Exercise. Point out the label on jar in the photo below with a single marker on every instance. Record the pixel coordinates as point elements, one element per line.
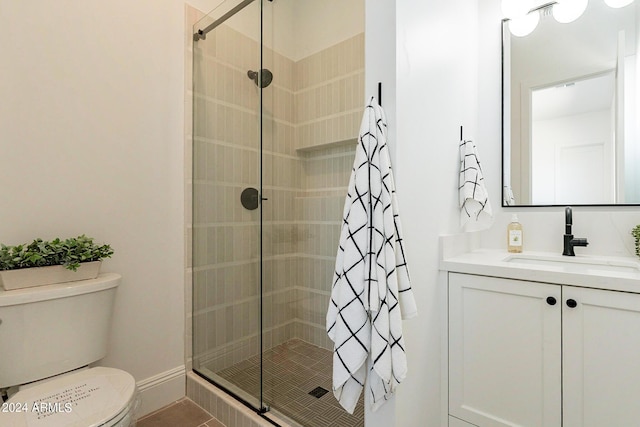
<point>515,237</point>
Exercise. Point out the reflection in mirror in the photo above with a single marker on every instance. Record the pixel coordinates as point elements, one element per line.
<point>571,133</point>
<point>572,152</point>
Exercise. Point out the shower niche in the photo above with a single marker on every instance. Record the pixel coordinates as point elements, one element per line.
<point>278,93</point>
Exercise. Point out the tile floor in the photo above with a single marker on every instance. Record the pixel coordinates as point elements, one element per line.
<point>183,413</point>
<point>291,371</point>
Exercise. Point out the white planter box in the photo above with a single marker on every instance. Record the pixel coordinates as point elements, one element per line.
<point>39,276</point>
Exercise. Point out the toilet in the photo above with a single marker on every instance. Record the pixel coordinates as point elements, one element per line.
<point>49,336</point>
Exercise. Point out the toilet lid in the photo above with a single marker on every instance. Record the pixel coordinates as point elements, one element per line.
<point>86,398</point>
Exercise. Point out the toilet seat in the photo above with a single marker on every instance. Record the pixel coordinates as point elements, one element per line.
<point>96,397</point>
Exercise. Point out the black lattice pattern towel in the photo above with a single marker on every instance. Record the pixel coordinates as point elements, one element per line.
<point>371,291</point>
<point>475,208</point>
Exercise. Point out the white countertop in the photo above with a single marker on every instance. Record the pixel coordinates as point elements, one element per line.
<point>588,271</point>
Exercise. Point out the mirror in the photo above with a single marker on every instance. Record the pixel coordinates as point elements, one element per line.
<point>570,122</point>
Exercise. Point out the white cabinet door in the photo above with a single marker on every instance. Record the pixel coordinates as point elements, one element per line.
<point>504,352</point>
<point>601,358</point>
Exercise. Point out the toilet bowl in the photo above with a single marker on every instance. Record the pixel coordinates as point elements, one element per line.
<point>100,396</point>
<point>49,335</point>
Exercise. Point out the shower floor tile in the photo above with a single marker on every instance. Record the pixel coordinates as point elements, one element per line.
<point>291,371</point>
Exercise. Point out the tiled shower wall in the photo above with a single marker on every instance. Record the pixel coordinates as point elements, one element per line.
<point>329,105</point>
<point>319,210</point>
<point>330,94</point>
<point>311,115</point>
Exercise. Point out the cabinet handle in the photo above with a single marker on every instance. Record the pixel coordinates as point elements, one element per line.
<point>551,301</point>
<point>571,303</point>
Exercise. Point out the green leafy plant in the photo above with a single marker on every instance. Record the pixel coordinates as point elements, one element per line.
<point>70,253</point>
<point>635,232</point>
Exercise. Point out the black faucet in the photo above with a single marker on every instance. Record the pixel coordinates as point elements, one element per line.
<point>569,240</point>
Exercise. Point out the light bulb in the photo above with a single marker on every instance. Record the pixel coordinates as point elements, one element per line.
<point>513,9</point>
<point>524,25</point>
<point>618,3</point>
<point>565,11</point>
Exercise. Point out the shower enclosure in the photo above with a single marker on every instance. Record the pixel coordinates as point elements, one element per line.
<point>277,102</point>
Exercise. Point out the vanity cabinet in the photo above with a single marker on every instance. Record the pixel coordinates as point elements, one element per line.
<point>537,354</point>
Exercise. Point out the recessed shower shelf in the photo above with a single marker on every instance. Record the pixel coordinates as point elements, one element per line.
<point>323,146</point>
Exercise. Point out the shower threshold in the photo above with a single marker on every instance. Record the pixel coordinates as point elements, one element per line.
<point>293,370</point>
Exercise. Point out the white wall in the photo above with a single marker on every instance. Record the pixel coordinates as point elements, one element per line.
<point>91,131</point>
<point>437,74</point>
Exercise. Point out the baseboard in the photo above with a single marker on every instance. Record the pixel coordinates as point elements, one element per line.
<point>160,390</point>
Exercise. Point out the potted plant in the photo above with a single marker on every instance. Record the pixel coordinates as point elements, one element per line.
<point>44,263</point>
<point>635,232</point>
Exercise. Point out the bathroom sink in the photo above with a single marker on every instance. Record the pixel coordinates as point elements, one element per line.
<point>587,264</point>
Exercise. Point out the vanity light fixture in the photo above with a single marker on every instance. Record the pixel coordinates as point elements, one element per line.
<point>523,19</point>
<point>524,25</point>
<point>565,11</point>
<point>524,16</point>
<point>616,4</point>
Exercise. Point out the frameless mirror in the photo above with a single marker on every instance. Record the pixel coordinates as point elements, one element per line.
<point>570,122</point>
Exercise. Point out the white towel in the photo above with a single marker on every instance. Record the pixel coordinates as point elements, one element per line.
<point>371,291</point>
<point>475,207</point>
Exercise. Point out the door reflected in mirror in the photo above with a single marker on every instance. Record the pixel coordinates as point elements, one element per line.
<point>570,121</point>
<point>572,150</point>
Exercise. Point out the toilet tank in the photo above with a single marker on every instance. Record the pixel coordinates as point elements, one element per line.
<point>47,330</point>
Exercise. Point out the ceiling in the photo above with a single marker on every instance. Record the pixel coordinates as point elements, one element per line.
<point>577,97</point>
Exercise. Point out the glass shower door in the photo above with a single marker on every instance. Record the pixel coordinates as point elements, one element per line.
<point>227,339</point>
<point>282,183</point>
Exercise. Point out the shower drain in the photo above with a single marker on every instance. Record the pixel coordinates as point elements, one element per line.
<point>318,392</point>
